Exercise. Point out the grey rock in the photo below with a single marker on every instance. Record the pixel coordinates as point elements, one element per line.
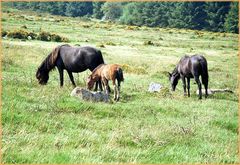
<point>87,95</point>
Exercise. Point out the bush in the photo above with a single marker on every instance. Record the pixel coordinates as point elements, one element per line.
<point>24,27</point>
<point>4,33</point>
<point>44,36</point>
<point>100,45</point>
<point>132,28</point>
<point>32,35</point>
<point>132,69</point>
<point>19,34</point>
<point>110,43</point>
<point>148,43</point>
<point>57,38</point>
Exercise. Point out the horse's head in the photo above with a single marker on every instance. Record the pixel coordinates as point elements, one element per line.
<point>173,78</point>
<point>42,76</point>
<point>90,82</point>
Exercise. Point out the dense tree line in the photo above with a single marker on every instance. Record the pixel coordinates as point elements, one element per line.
<point>212,16</point>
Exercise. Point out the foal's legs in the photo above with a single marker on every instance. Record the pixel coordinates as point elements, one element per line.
<point>98,83</point>
<point>188,86</point>
<point>199,86</point>
<point>61,76</point>
<point>118,91</point>
<point>71,78</point>
<point>115,88</point>
<point>109,89</point>
<point>184,85</point>
<point>105,84</point>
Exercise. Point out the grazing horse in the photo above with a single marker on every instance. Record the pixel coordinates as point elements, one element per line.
<point>72,59</point>
<point>106,72</point>
<point>191,67</point>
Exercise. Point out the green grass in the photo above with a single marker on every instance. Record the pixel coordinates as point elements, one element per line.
<point>44,124</point>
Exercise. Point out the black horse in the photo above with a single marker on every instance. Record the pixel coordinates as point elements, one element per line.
<point>190,67</point>
<point>72,59</point>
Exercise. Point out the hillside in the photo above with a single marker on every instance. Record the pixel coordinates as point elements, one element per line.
<point>44,124</point>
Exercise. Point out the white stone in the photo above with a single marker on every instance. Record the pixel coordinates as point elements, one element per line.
<point>29,38</point>
<point>154,87</point>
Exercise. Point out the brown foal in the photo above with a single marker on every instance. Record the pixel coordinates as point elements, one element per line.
<point>106,72</point>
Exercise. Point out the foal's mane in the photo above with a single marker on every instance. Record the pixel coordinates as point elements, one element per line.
<point>94,71</point>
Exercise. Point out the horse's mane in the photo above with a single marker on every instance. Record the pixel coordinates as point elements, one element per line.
<point>49,62</point>
<point>175,71</point>
<point>99,66</point>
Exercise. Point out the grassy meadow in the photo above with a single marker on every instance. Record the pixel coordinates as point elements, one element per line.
<point>44,124</point>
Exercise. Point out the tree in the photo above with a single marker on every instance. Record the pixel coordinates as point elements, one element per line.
<point>132,14</point>
<point>231,21</point>
<point>112,10</point>
<point>97,12</point>
<point>189,15</point>
<point>216,14</point>
<point>75,9</point>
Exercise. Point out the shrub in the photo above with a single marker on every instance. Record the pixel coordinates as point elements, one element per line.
<point>4,33</point>
<point>24,27</point>
<point>110,43</point>
<point>101,46</point>
<point>44,36</point>
<point>132,28</point>
<point>32,35</point>
<point>57,38</point>
<point>20,34</point>
<point>148,43</point>
<point>132,69</point>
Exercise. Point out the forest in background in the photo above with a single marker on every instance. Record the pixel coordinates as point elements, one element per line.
<point>211,16</point>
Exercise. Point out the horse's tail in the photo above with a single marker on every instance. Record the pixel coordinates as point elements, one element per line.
<point>101,61</point>
<point>204,66</point>
<point>119,75</point>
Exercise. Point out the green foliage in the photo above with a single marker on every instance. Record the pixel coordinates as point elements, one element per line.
<point>231,22</point>
<point>212,16</point>
<point>112,10</point>
<point>19,34</point>
<point>46,36</point>
<point>75,9</point>
<point>43,36</point>
<point>97,12</point>
<point>188,15</point>
<point>4,33</point>
<point>216,14</point>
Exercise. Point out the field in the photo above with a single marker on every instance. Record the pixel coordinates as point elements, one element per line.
<point>44,124</point>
